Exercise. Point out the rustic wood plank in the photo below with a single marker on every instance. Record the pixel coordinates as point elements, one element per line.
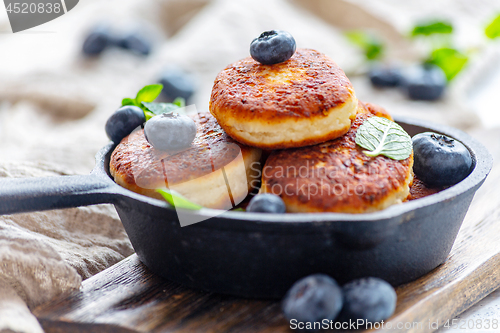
<point>128,298</point>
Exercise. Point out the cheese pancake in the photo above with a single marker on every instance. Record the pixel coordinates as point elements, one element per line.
<point>336,176</point>
<point>303,101</point>
<point>214,172</point>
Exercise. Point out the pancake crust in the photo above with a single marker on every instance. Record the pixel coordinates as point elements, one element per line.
<point>195,172</point>
<point>336,176</point>
<point>306,100</point>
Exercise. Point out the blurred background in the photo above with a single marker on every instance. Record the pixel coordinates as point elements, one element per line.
<point>55,99</point>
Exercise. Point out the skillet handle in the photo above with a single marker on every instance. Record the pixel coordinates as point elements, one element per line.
<point>20,195</point>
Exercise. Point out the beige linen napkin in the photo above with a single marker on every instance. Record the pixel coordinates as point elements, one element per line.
<point>46,254</point>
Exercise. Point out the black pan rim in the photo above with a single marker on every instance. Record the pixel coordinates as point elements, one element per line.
<point>482,165</point>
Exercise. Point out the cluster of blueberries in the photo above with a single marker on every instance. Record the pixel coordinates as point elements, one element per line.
<point>101,37</point>
<point>319,297</point>
<point>425,82</point>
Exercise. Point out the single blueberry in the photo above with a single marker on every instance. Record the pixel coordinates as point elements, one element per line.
<point>427,82</point>
<point>177,83</point>
<point>273,47</point>
<point>266,203</point>
<point>385,76</point>
<point>370,299</point>
<point>313,299</point>
<point>170,131</point>
<point>123,122</point>
<point>96,41</point>
<point>440,160</point>
<point>135,43</point>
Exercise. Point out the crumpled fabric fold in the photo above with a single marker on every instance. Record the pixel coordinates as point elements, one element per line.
<point>44,255</point>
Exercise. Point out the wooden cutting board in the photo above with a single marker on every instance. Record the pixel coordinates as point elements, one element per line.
<point>129,298</point>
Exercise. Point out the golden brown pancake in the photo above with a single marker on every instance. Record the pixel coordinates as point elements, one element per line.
<point>374,110</point>
<point>214,172</point>
<point>303,101</point>
<point>336,176</point>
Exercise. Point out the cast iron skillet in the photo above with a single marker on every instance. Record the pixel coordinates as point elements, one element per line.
<point>262,255</point>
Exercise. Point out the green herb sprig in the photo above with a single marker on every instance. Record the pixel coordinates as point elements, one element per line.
<point>177,200</point>
<point>438,34</point>
<point>373,47</point>
<point>380,136</point>
<point>144,100</point>
<point>431,28</point>
<point>450,60</point>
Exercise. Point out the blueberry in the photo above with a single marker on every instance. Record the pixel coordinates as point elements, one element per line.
<point>135,43</point>
<point>96,41</point>
<point>273,47</point>
<point>313,299</point>
<point>385,76</point>
<point>170,131</point>
<point>177,83</point>
<point>266,203</point>
<point>371,299</point>
<point>426,82</point>
<point>440,160</point>
<point>123,122</point>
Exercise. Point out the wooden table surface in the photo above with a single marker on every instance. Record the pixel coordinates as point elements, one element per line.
<point>129,298</point>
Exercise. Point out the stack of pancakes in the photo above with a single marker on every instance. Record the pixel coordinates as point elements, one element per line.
<point>305,114</point>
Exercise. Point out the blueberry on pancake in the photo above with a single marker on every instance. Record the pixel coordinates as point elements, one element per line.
<point>303,101</point>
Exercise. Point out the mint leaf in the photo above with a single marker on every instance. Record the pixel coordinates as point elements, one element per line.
<point>492,31</point>
<point>177,200</point>
<point>180,102</point>
<point>128,101</point>
<point>159,108</point>
<point>148,93</point>
<point>371,45</point>
<point>450,60</point>
<point>380,136</point>
<point>432,27</point>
